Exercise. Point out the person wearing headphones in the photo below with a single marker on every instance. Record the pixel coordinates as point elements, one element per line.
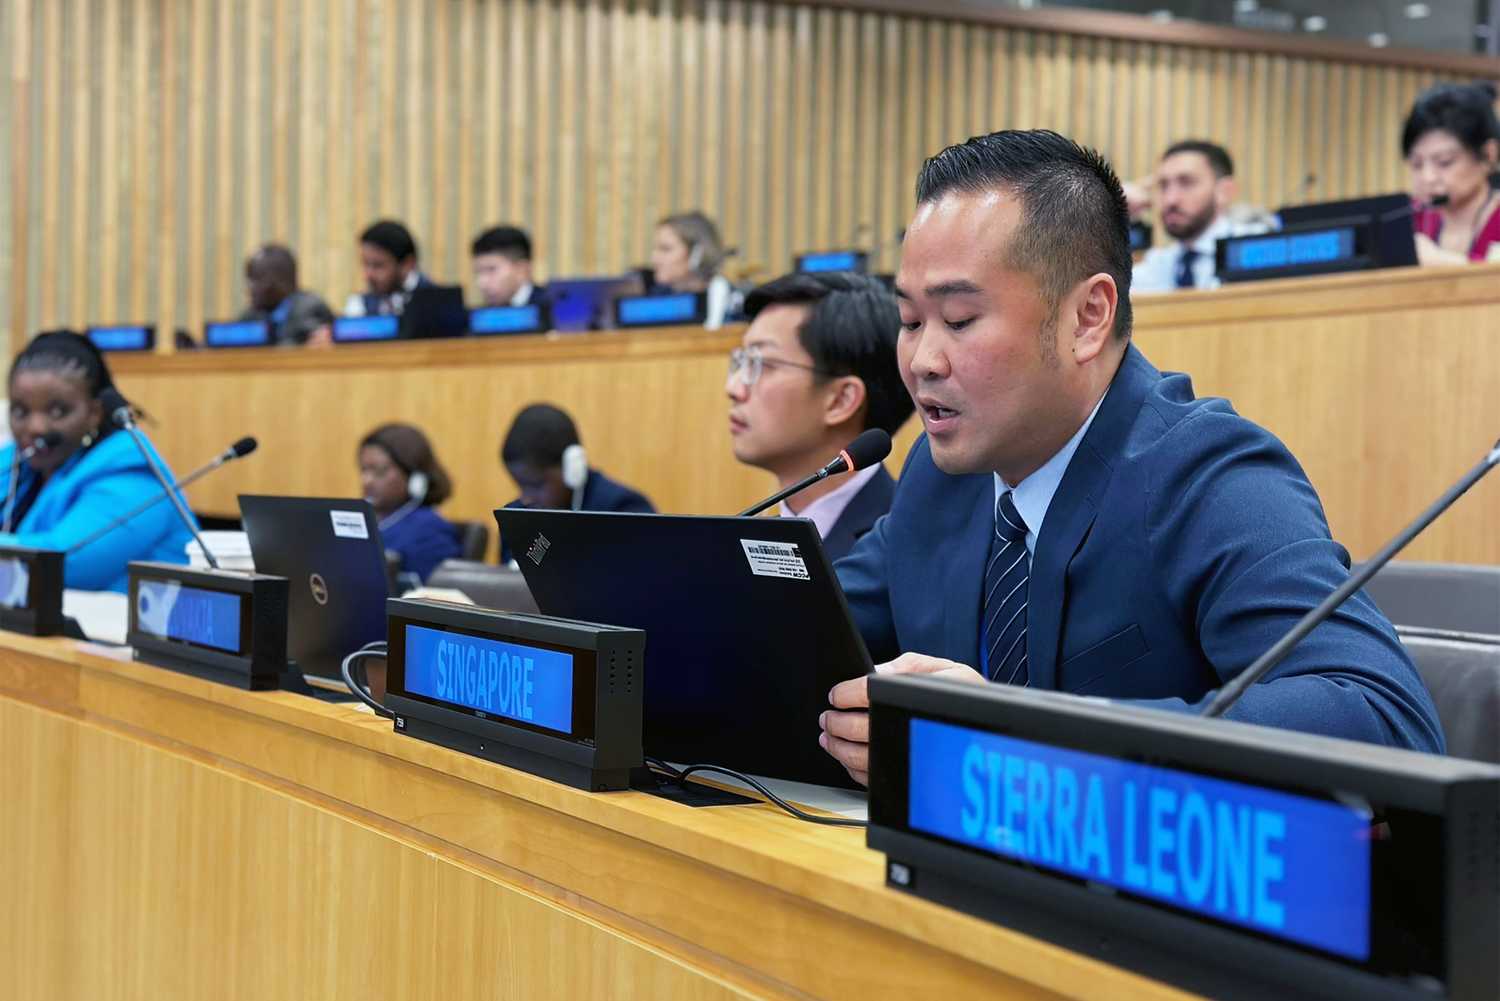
<point>60,494</point>
<point>1451,142</point>
<point>686,255</point>
<point>403,481</point>
<point>543,455</point>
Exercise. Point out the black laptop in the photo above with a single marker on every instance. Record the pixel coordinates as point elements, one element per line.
<point>435,311</point>
<point>330,551</point>
<point>746,627</point>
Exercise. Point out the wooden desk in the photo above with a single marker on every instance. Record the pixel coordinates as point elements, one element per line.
<point>1386,386</point>
<point>168,838</point>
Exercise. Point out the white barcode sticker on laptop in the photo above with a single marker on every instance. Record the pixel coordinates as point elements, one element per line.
<point>349,524</point>
<point>775,559</point>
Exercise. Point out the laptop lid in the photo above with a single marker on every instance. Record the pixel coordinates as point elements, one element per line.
<point>746,627</point>
<point>435,311</point>
<point>330,551</point>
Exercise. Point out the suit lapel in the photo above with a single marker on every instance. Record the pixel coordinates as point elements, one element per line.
<point>1072,513</point>
<point>963,570</point>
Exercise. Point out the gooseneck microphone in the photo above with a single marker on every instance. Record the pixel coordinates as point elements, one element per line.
<point>1230,693</point>
<point>869,448</point>
<point>122,417</point>
<point>238,450</point>
<point>45,443</point>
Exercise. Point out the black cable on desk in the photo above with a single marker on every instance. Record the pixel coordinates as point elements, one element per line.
<point>362,692</point>
<point>680,777</point>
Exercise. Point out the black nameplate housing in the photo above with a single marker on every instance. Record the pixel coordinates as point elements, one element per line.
<point>1423,842</point>
<point>227,626</point>
<point>554,697</point>
<point>31,589</point>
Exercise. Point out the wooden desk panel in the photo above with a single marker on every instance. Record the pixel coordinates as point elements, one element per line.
<point>1386,386</point>
<point>169,838</point>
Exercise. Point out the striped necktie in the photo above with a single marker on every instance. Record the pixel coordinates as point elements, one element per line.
<point>1005,580</point>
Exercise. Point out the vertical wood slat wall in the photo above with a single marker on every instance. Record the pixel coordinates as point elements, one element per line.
<point>152,143</point>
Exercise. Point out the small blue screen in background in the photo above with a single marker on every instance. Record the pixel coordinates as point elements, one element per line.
<point>120,338</point>
<point>237,334</point>
<point>842,260</point>
<point>530,684</point>
<point>15,583</point>
<point>1286,250</point>
<point>645,310</point>
<point>1288,866</point>
<point>167,609</point>
<point>506,320</point>
<point>366,328</point>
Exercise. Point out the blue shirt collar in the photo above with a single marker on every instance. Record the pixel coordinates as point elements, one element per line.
<point>1034,494</point>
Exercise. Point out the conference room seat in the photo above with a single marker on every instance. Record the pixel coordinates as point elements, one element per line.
<point>486,584</point>
<point>473,539</point>
<point>1462,671</point>
<point>1449,596</point>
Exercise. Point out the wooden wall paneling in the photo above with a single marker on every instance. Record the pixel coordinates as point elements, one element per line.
<point>852,183</point>
<point>168,218</point>
<point>889,140</point>
<point>49,39</point>
<point>800,169</point>
<point>597,150</point>
<point>736,140</point>
<point>106,307</point>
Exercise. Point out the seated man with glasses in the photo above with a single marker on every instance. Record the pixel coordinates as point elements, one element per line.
<point>817,367</point>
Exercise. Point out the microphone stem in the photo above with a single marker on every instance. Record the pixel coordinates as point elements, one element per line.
<point>782,495</point>
<point>10,491</point>
<point>1237,686</point>
<point>146,505</point>
<point>182,511</point>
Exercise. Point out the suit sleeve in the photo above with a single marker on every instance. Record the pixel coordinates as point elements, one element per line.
<point>1232,517</point>
<point>101,563</point>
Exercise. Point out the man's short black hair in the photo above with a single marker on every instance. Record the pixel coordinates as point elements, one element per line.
<point>538,437</point>
<point>276,260</point>
<point>391,237</point>
<point>851,329</point>
<point>1466,111</point>
<point>1074,221</point>
<point>509,241</point>
<point>1219,160</point>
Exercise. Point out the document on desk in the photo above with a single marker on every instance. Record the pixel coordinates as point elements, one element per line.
<point>104,616</point>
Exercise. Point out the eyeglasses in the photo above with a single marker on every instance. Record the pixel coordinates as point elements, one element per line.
<point>748,363</point>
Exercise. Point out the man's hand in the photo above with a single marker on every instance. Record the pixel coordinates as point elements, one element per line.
<point>846,728</point>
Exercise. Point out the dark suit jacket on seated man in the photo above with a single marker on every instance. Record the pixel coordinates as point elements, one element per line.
<point>1073,519</point>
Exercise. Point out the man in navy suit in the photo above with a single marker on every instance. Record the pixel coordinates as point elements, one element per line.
<point>1072,518</point>
<point>544,456</point>
<point>502,268</point>
<point>816,367</point>
<point>388,258</point>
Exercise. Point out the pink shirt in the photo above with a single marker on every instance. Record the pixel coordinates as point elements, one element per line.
<point>825,511</point>
<point>1429,222</point>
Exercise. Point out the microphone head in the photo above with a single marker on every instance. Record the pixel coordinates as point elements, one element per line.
<point>115,407</point>
<point>870,447</point>
<point>243,447</point>
<point>50,440</point>
<point>1438,201</point>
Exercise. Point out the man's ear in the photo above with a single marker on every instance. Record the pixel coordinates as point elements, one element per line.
<point>1093,306</point>
<point>846,396</point>
<point>1225,192</point>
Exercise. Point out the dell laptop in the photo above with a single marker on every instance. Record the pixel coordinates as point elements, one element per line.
<point>746,627</point>
<point>330,551</point>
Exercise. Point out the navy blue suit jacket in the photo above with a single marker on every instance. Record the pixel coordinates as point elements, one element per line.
<point>600,493</point>
<point>1182,542</point>
<point>860,515</point>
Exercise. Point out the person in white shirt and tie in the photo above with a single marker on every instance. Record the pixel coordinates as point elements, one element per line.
<point>1193,188</point>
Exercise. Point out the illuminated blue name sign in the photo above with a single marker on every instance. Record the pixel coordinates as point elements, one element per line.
<point>122,338</point>
<point>658,310</point>
<point>1288,250</point>
<point>15,583</point>
<point>833,260</point>
<point>506,320</point>
<point>1288,866</point>
<point>170,611</point>
<point>237,334</point>
<point>366,328</point>
<point>530,684</point>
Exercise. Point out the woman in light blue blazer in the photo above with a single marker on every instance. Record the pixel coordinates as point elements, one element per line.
<point>63,494</point>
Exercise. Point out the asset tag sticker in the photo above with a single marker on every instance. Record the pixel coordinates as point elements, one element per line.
<point>349,524</point>
<point>775,559</point>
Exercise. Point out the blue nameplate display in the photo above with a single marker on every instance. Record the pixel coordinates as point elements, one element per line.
<point>1286,250</point>
<point>661,310</point>
<point>1288,866</point>
<point>348,329</point>
<point>553,697</point>
<point>123,337</point>
<point>31,587</point>
<point>509,320</point>
<point>525,683</point>
<point>833,260</point>
<point>1234,861</point>
<point>227,626</point>
<point>237,334</point>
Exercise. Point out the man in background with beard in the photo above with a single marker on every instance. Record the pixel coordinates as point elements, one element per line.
<point>1193,189</point>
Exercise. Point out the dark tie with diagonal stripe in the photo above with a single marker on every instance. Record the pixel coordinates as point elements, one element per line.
<point>1005,579</point>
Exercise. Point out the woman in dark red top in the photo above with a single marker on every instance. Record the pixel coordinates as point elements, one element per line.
<point>1452,144</point>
